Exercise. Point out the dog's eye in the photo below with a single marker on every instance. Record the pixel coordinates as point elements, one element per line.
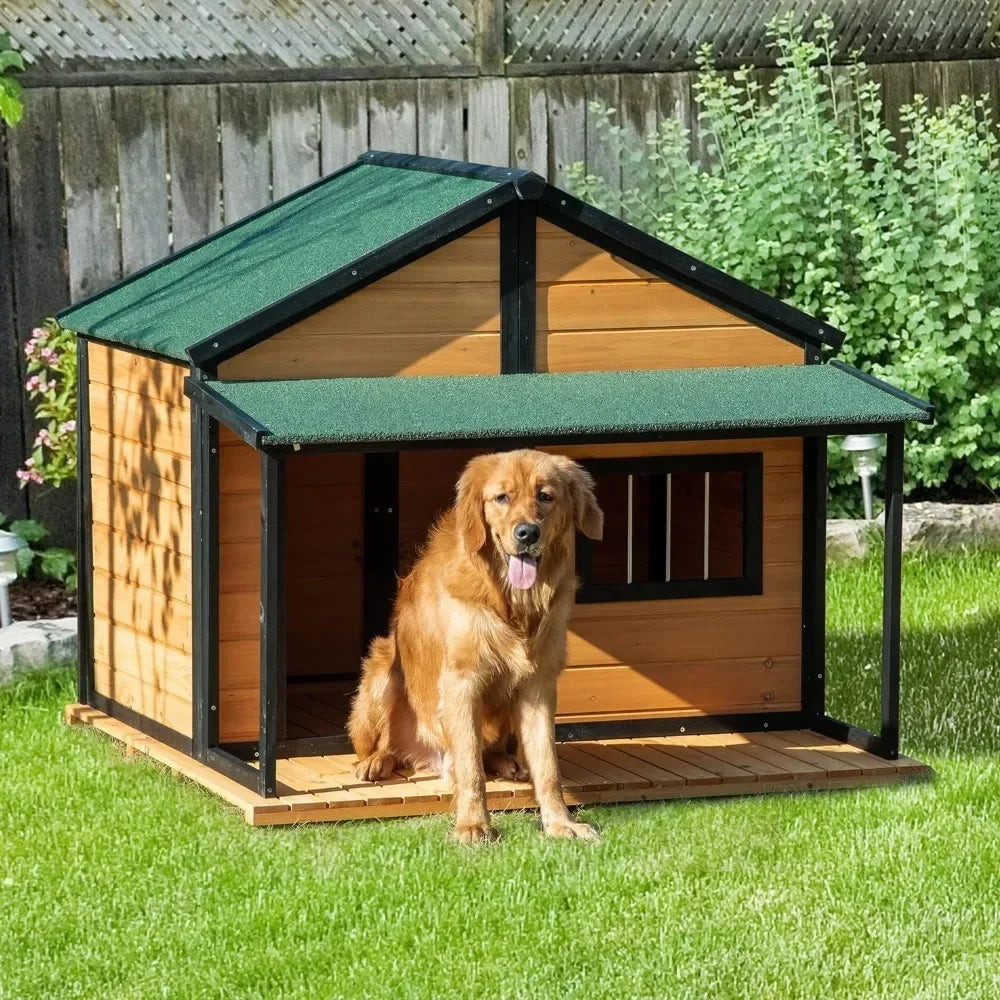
<point>502,498</point>
<point>545,496</point>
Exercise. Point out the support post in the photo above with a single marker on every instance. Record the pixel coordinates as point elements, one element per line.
<point>84,550</point>
<point>205,579</point>
<point>517,287</point>
<point>381,541</point>
<point>892,592</point>
<point>814,484</point>
<point>272,619</point>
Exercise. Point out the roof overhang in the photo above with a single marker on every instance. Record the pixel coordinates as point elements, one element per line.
<point>516,410</point>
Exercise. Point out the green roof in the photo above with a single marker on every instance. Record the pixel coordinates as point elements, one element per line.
<point>269,256</point>
<point>348,411</point>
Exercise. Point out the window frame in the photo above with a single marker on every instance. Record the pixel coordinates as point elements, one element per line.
<point>750,463</point>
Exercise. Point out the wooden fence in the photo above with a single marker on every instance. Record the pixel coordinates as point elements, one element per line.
<point>83,42</point>
<point>97,182</point>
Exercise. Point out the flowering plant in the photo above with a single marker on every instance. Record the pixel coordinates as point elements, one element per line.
<point>51,385</point>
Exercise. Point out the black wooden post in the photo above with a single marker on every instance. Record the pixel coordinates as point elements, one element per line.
<point>84,545</point>
<point>892,592</point>
<point>814,483</point>
<point>272,621</point>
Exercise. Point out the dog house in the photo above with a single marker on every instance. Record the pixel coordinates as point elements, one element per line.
<point>271,419</point>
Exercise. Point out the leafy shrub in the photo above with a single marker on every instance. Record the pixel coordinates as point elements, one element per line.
<point>36,561</point>
<point>11,91</point>
<point>51,384</point>
<point>804,193</point>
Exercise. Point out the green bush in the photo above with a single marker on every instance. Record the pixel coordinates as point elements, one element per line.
<point>804,193</point>
<point>11,91</point>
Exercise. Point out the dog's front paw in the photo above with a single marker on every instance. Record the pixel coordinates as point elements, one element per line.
<point>377,767</point>
<point>479,832</point>
<point>569,830</point>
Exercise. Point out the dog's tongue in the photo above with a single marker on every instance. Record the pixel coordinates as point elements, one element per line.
<point>521,571</point>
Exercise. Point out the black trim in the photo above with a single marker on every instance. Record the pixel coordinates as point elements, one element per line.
<point>84,541</point>
<point>751,464</point>
<point>855,736</point>
<point>240,423</point>
<point>310,746</point>
<point>814,489</point>
<point>891,591</point>
<point>677,267</point>
<point>920,404</point>
<point>517,287</point>
<point>150,727</point>
<point>352,277</point>
<point>219,759</point>
<point>205,579</point>
<point>143,271</point>
<point>272,613</point>
<point>381,542</point>
<point>118,345</point>
<point>570,732</point>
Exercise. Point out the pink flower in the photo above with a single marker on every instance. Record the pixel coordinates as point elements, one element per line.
<point>29,476</point>
<point>67,427</point>
<point>33,383</point>
<point>49,386</point>
<point>48,355</point>
<point>28,463</point>
<point>29,349</point>
<point>42,438</point>
<point>40,334</point>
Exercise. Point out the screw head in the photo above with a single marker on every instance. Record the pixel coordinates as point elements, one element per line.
<point>683,729</point>
<point>213,708</point>
<point>765,725</point>
<point>489,201</point>
<point>694,267</point>
<point>354,273</point>
<point>256,754</point>
<point>215,344</point>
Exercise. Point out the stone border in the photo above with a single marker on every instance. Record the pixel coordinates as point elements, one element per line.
<point>32,644</point>
<point>933,527</point>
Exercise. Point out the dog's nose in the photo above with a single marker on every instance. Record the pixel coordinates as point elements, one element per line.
<point>527,534</point>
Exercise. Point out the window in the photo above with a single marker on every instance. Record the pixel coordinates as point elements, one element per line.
<point>684,526</point>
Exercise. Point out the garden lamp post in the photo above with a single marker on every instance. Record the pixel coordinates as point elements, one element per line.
<point>9,544</point>
<point>864,449</point>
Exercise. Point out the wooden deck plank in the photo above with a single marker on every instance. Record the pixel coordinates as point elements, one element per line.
<point>790,744</point>
<point>324,789</point>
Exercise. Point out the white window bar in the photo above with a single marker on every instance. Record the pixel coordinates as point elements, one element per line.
<point>628,550</point>
<point>669,512</point>
<point>706,528</point>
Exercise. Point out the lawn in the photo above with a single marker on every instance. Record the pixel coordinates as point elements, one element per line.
<point>119,881</point>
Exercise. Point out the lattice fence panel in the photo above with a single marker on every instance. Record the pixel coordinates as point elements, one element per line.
<point>243,34</point>
<point>666,34</point>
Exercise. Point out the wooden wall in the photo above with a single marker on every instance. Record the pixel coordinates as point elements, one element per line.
<point>596,311</point>
<point>439,315</point>
<point>704,655</point>
<point>141,498</point>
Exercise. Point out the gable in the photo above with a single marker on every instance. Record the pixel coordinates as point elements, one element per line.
<point>439,315</point>
<point>596,311</point>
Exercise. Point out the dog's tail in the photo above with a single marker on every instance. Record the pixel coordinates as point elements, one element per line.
<point>381,686</point>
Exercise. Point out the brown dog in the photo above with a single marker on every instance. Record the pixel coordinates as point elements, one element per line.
<point>479,637</point>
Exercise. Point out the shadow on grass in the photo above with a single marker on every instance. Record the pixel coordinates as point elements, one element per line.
<point>950,685</point>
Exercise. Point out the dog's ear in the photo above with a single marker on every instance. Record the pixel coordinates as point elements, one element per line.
<point>586,511</point>
<point>469,505</point>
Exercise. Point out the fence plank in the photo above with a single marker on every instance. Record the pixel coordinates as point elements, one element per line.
<point>603,156</point>
<point>489,121</point>
<point>13,500</point>
<point>89,171</point>
<point>244,113</point>
<point>927,81</point>
<point>440,114</point>
<point>986,83</point>
<point>192,130</point>
<point>294,136</point>
<point>142,175</point>
<point>956,80</point>
<point>897,91</point>
<point>41,284</point>
<point>529,126</point>
<point>392,115</point>
<point>638,120</point>
<point>343,111</point>
<point>567,126</point>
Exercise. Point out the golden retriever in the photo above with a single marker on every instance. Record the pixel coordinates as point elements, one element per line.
<point>478,638</point>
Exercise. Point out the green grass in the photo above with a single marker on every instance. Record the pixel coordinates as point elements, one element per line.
<point>119,881</point>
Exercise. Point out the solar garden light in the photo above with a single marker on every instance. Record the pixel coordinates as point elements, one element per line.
<point>864,449</point>
<point>9,544</point>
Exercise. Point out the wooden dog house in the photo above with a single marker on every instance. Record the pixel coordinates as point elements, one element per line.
<point>270,420</point>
